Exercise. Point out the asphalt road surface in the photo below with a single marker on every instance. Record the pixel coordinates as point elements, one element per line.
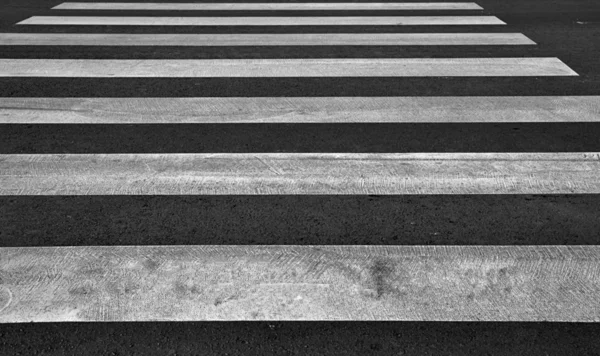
<point>567,30</point>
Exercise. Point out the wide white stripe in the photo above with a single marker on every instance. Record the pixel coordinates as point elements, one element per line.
<point>300,173</point>
<point>363,67</point>
<point>262,21</point>
<point>186,283</point>
<point>268,6</point>
<point>291,39</point>
<point>300,110</point>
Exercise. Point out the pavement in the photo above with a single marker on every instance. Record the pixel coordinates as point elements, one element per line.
<point>564,29</point>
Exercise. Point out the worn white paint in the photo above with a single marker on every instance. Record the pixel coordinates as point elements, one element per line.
<point>300,173</point>
<point>287,39</point>
<point>268,6</point>
<point>262,21</point>
<point>360,67</point>
<point>193,283</point>
<point>461,109</point>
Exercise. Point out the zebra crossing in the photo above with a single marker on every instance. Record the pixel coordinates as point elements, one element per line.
<point>403,67</point>
<point>296,173</point>
<point>194,282</point>
<point>263,21</point>
<point>328,39</point>
<point>267,6</point>
<point>293,282</point>
<point>239,110</point>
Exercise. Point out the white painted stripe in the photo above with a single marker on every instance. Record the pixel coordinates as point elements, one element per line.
<point>300,173</point>
<point>292,39</point>
<point>254,68</point>
<point>300,110</point>
<point>269,6</point>
<point>194,283</point>
<point>263,21</point>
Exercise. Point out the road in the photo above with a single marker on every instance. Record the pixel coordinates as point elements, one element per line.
<point>461,140</point>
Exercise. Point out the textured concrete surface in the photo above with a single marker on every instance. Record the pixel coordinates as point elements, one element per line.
<point>192,283</point>
<point>545,109</point>
<point>265,39</point>
<point>300,174</point>
<point>262,21</point>
<point>271,68</point>
<point>268,6</point>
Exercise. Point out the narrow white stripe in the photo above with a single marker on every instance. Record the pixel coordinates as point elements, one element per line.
<point>232,282</point>
<point>299,110</point>
<point>370,67</point>
<point>268,6</point>
<point>304,39</point>
<point>300,173</point>
<point>262,21</point>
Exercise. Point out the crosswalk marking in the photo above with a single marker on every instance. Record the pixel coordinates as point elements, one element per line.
<point>263,21</point>
<point>300,173</point>
<point>178,283</point>
<point>233,282</point>
<point>495,109</point>
<point>287,39</point>
<point>269,6</point>
<point>255,68</point>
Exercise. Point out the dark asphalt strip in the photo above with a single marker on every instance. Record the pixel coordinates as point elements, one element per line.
<point>280,87</point>
<point>536,15</point>
<point>250,52</point>
<point>301,338</point>
<point>300,220</point>
<point>299,138</point>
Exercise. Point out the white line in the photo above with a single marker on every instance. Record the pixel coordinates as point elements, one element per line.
<point>300,110</point>
<point>255,68</point>
<point>304,39</point>
<point>300,173</point>
<point>268,6</point>
<point>8,298</point>
<point>263,21</point>
<point>194,283</point>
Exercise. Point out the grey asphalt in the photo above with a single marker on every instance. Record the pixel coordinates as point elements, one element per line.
<point>562,28</point>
